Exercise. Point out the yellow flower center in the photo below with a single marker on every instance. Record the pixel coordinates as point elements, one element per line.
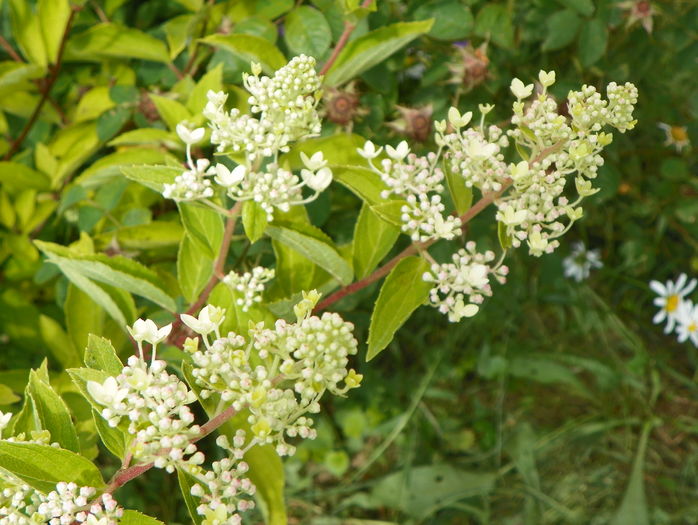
<point>672,303</point>
<point>692,327</point>
<point>679,133</point>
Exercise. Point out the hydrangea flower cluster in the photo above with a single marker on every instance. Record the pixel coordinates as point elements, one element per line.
<point>299,362</point>
<point>420,182</point>
<point>678,312</point>
<point>462,285</point>
<point>283,111</point>
<point>532,207</point>
<point>578,264</point>
<point>249,286</point>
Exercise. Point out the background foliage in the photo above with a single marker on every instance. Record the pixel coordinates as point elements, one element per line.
<point>558,403</point>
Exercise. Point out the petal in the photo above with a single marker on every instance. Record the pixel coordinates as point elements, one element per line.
<point>690,286</point>
<point>659,317</point>
<point>658,288</point>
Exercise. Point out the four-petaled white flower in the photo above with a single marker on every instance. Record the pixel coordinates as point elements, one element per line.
<point>520,90</point>
<point>317,181</point>
<point>229,178</point>
<point>107,393</point>
<point>671,295</point>
<point>210,318</point>
<point>398,153</point>
<point>190,136</point>
<point>315,162</point>
<point>369,150</point>
<point>147,330</point>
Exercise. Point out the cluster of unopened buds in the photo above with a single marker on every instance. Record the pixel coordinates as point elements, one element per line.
<point>284,110</point>
<point>529,194</point>
<point>676,310</point>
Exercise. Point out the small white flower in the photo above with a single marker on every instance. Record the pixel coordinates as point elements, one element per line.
<point>518,171</point>
<point>480,150</point>
<point>579,263</point>
<point>546,79</point>
<point>511,217</point>
<point>676,136</point>
<point>210,318</point>
<point>537,243</point>
<point>190,136</point>
<point>315,162</point>
<point>485,108</point>
<point>4,420</point>
<point>398,153</point>
<point>147,330</point>
<point>228,178</point>
<point>671,295</point>
<point>460,310</point>
<point>369,150</point>
<point>458,120</point>
<point>687,322</point>
<point>107,393</point>
<point>317,181</point>
<point>520,90</point>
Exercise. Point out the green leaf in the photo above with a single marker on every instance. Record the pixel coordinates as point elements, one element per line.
<point>254,220</point>
<point>583,7</point>
<point>42,466</point>
<point>314,245</point>
<point>494,21</point>
<point>372,48</point>
<point>16,177</point>
<point>145,136</point>
<point>306,31</point>
<point>81,376</point>
<point>592,42</point>
<point>7,395</point>
<point>562,29</point>
<point>110,122</point>
<point>53,19</point>
<point>112,438</point>
<point>170,111</point>
<point>154,177</point>
<point>461,195</point>
<point>633,508</point>
<point>82,317</point>
<point>250,49</point>
<point>338,149</point>
<point>390,211</point>
<point>26,31</point>
<point>117,41</point>
<point>373,239</point>
<point>153,235</point>
<point>362,182</point>
<point>452,19</point>
<point>53,413</point>
<point>59,343</point>
<point>211,81</point>
<point>204,227</point>
<point>402,292</point>
<point>117,271</point>
<point>177,31</point>
<point>133,517</point>
<point>504,238</point>
<point>194,269</point>
<point>186,482</point>
<point>100,355</point>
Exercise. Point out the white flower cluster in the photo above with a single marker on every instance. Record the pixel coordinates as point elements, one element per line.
<point>285,109</point>
<point>20,504</point>
<point>579,263</point>
<point>220,490</point>
<point>679,313</point>
<point>69,504</point>
<point>419,181</point>
<point>299,361</point>
<point>249,286</point>
<point>462,285</point>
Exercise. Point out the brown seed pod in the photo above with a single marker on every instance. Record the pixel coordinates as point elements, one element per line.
<point>342,106</point>
<point>415,123</point>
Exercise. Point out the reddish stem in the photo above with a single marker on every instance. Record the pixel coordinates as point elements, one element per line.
<point>343,39</point>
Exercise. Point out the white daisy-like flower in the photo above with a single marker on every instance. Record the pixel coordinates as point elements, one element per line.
<point>687,322</point>
<point>579,263</point>
<point>671,295</point>
<point>676,136</point>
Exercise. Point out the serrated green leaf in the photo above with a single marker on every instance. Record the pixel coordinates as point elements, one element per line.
<point>461,195</point>
<point>339,150</point>
<point>170,111</point>
<point>254,220</point>
<point>186,482</point>
<point>42,466</point>
<point>373,239</point>
<point>80,378</point>
<point>112,438</point>
<point>362,182</point>
<point>204,227</point>
<point>53,413</point>
<point>211,81</point>
<point>117,41</point>
<point>119,272</point>
<point>250,49</point>
<point>306,31</point>
<point>133,517</point>
<point>154,177</point>
<point>402,293</point>
<point>313,245</point>
<point>100,355</point>
<point>372,48</point>
<point>390,211</point>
